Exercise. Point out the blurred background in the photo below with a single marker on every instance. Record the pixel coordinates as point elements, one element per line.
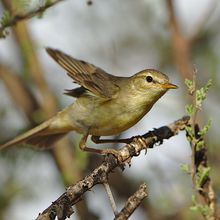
<point>122,37</point>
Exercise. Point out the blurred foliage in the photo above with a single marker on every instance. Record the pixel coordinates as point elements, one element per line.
<point>140,36</point>
<point>204,200</point>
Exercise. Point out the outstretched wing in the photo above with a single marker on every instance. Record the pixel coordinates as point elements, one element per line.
<point>85,74</point>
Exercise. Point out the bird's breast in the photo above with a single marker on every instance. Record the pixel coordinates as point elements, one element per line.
<point>103,117</point>
<point>115,116</point>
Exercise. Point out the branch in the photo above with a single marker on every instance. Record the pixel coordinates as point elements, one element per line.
<point>132,203</point>
<point>203,20</point>
<point>205,201</point>
<point>62,207</point>
<point>201,177</point>
<point>63,156</point>
<point>11,21</point>
<point>180,44</point>
<point>19,91</point>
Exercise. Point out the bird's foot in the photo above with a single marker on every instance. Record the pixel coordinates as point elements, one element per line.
<point>143,142</point>
<point>116,154</point>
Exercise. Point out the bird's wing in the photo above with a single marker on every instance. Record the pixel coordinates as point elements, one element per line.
<point>77,92</point>
<point>85,74</point>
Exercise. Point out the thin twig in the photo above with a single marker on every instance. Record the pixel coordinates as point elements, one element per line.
<point>19,91</point>
<point>20,17</point>
<point>193,122</point>
<point>132,203</point>
<point>110,196</point>
<point>204,201</point>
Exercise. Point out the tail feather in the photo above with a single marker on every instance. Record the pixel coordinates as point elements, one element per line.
<point>37,137</point>
<point>44,141</point>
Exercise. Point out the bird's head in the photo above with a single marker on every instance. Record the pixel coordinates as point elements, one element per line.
<point>152,83</point>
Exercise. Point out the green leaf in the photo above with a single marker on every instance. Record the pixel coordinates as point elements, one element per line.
<point>190,86</point>
<point>205,129</point>
<point>185,167</point>
<point>190,133</point>
<point>21,5</point>
<point>5,19</point>
<point>5,22</point>
<point>202,175</point>
<point>208,85</point>
<point>205,210</point>
<point>189,109</point>
<point>201,94</point>
<point>48,2</point>
<point>200,144</point>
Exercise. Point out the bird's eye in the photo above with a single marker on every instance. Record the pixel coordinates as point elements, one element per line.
<point>149,79</point>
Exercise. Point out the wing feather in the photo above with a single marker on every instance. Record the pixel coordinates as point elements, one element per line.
<point>87,75</point>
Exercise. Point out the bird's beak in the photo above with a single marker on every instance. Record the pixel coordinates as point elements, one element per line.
<point>169,86</point>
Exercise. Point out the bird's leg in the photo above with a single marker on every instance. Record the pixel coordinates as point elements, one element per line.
<point>114,152</point>
<point>83,147</point>
<point>97,140</point>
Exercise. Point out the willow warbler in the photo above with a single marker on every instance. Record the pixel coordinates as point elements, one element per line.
<point>105,104</point>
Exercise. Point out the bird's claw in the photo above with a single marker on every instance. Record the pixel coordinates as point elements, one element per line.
<point>142,141</point>
<point>116,154</point>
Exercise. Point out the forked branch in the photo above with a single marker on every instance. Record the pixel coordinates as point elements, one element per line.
<point>62,207</point>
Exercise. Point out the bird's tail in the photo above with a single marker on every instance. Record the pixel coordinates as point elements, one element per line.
<point>38,137</point>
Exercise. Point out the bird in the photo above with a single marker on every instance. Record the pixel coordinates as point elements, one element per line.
<point>105,105</point>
